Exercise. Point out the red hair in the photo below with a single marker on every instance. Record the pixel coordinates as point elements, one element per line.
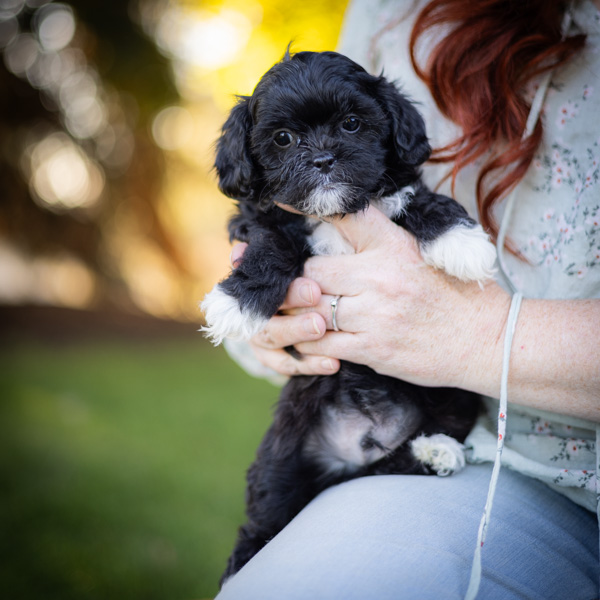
<point>477,74</point>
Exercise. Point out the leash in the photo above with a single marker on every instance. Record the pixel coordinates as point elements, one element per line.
<point>511,323</point>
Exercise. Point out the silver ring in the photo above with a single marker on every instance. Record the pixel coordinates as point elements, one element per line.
<point>334,306</point>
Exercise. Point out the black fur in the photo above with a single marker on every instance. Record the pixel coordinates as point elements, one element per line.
<point>315,97</point>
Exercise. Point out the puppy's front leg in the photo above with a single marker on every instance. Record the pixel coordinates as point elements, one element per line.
<point>241,305</point>
<point>448,238</point>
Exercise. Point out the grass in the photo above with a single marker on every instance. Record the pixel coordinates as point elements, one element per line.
<point>122,467</point>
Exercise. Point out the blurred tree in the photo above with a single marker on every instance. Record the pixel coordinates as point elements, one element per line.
<point>83,75</point>
<point>108,115</point>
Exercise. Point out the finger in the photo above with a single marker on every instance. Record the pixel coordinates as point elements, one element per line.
<point>345,316</point>
<point>282,331</point>
<point>342,345</point>
<point>285,364</point>
<point>235,258</point>
<point>302,292</point>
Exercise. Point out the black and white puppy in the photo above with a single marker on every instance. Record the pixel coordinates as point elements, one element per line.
<point>322,136</point>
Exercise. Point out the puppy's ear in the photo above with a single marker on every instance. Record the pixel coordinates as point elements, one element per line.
<point>233,161</point>
<point>408,127</point>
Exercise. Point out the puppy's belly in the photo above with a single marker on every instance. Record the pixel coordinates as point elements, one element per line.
<point>346,439</point>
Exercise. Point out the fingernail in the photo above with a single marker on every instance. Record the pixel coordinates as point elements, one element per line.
<point>306,293</point>
<point>312,326</point>
<point>327,364</point>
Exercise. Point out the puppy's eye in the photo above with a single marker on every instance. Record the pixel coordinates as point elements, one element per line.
<point>283,138</point>
<point>351,124</point>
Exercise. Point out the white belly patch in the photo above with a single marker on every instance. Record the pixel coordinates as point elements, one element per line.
<point>347,439</point>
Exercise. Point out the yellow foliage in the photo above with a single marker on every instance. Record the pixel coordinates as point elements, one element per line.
<point>231,44</point>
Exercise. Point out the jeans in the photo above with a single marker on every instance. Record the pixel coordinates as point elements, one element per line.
<point>413,537</point>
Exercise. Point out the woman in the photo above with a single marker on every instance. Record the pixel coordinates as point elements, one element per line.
<point>479,70</point>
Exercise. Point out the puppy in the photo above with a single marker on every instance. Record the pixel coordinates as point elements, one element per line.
<point>323,137</point>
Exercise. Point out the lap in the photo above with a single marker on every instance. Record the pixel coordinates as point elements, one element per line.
<point>413,537</point>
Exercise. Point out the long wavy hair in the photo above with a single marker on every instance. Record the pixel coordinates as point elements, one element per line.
<point>478,73</point>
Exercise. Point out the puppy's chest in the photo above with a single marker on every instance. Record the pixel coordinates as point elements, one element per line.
<point>326,240</point>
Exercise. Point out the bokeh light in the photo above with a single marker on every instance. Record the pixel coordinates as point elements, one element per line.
<point>62,176</point>
<point>55,26</point>
<point>137,171</point>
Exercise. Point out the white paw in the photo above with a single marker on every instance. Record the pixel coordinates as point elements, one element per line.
<point>440,452</point>
<point>464,252</point>
<point>225,319</point>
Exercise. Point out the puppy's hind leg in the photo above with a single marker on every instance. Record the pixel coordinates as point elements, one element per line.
<point>249,542</point>
<point>441,453</point>
<point>280,485</point>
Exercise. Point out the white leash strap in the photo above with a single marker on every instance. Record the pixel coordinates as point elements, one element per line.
<point>511,324</point>
<point>534,114</point>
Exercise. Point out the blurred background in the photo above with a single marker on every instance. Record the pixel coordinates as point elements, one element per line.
<point>124,436</point>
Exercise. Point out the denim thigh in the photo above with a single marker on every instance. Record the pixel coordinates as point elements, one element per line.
<point>413,537</point>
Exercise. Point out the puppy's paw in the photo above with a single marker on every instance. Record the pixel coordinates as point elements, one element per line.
<point>225,318</point>
<point>464,252</point>
<point>442,453</point>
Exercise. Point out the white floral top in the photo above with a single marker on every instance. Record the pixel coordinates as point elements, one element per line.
<point>555,223</point>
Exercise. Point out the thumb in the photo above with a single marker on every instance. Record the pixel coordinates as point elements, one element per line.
<point>367,229</point>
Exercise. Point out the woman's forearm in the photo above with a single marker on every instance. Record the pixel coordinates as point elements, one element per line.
<point>555,361</point>
<point>555,358</point>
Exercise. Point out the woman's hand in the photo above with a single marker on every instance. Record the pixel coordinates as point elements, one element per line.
<point>401,317</point>
<point>292,329</point>
<point>396,314</point>
<point>288,330</point>
<point>407,320</point>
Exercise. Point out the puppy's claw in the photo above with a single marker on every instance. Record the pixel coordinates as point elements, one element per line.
<point>225,318</point>
<point>442,453</point>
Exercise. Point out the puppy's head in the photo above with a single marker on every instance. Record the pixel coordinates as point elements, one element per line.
<point>320,135</point>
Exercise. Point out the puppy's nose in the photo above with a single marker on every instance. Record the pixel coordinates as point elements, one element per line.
<point>323,161</point>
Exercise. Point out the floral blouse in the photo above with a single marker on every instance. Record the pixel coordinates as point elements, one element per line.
<point>555,223</point>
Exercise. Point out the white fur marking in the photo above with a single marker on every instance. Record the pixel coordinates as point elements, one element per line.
<point>336,444</point>
<point>224,319</point>
<point>326,240</point>
<point>464,252</point>
<point>440,452</point>
<point>393,206</point>
<point>325,201</point>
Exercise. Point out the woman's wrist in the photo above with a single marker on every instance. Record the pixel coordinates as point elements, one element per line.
<point>484,326</point>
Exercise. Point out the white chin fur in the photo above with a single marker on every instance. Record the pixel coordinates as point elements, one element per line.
<point>224,319</point>
<point>440,452</point>
<point>464,252</point>
<point>325,201</point>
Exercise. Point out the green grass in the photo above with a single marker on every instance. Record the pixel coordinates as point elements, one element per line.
<point>122,467</point>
